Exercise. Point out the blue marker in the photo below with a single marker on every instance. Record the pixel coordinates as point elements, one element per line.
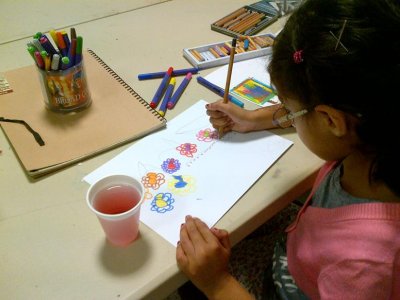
<point>175,97</point>
<point>219,91</point>
<point>72,53</point>
<point>162,74</point>
<point>161,88</point>
<point>167,97</point>
<point>46,44</point>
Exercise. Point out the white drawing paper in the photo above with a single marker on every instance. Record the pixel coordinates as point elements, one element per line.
<point>186,170</point>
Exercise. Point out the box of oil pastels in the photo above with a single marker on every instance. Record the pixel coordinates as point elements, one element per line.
<point>212,55</point>
<point>247,20</point>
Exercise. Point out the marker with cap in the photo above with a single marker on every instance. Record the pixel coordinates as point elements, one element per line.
<point>37,35</point>
<point>219,91</point>
<point>61,44</point>
<point>73,33</point>
<point>46,59</point>
<point>38,45</point>
<point>66,39</point>
<point>31,50</point>
<point>64,62</point>
<point>167,97</point>
<point>46,44</point>
<point>72,53</point>
<point>161,88</point>
<point>175,97</point>
<point>78,52</point>
<point>55,62</point>
<point>162,74</point>
<point>53,34</point>
<point>39,60</point>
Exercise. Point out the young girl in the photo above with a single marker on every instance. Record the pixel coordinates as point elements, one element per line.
<point>336,69</point>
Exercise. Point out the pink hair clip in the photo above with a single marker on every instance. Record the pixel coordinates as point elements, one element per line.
<point>298,56</point>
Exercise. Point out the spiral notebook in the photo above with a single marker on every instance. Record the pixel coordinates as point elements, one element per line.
<point>116,116</point>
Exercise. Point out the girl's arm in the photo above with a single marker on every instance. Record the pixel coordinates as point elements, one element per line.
<point>203,255</point>
<point>234,118</point>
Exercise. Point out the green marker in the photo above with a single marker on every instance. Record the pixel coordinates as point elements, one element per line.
<point>31,51</point>
<point>78,53</point>
<point>38,35</point>
<point>64,62</point>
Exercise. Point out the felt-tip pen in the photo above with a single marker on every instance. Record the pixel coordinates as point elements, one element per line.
<point>219,91</point>
<point>175,97</point>
<point>64,62</point>
<point>61,44</point>
<point>39,60</point>
<point>161,88</point>
<point>55,62</point>
<point>78,51</point>
<point>167,97</point>
<point>72,53</point>
<point>46,44</point>
<point>180,72</point>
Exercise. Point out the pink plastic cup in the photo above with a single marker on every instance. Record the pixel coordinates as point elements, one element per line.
<point>116,200</point>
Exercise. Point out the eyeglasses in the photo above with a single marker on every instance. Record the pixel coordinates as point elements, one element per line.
<point>283,118</point>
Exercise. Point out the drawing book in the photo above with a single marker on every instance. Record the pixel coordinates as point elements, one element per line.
<point>117,115</point>
<point>187,170</point>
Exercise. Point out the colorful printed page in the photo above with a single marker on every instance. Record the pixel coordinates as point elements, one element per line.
<point>186,170</point>
<point>254,91</point>
<point>252,69</point>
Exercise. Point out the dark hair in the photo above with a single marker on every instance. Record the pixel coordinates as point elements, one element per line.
<point>361,76</point>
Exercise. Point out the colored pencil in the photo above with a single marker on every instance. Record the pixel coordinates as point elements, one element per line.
<point>228,81</point>
<point>229,75</point>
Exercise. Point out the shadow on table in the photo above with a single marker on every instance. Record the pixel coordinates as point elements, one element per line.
<point>124,260</point>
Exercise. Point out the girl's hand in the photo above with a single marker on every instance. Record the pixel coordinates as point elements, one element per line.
<point>203,254</point>
<point>234,118</point>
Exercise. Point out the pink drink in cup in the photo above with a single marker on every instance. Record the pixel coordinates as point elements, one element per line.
<point>116,200</point>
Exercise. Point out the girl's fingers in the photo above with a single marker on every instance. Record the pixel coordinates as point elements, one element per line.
<point>181,257</point>
<point>192,231</point>
<point>202,227</point>
<point>220,121</point>
<point>216,114</point>
<point>222,236</point>
<point>185,242</point>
